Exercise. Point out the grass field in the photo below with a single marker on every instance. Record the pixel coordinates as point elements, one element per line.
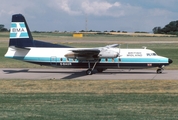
<point>79,99</point>
<point>90,99</point>
<point>89,106</point>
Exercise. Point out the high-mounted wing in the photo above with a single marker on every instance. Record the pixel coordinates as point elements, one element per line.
<point>113,45</point>
<point>86,51</point>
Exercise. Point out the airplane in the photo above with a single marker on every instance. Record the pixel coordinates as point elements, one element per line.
<point>23,47</point>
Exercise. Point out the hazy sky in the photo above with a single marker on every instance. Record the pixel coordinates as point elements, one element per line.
<point>70,15</point>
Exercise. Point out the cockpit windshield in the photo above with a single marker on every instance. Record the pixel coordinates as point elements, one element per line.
<point>151,54</point>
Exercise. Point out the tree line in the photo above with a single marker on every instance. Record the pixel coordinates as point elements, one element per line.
<point>171,28</point>
<point>2,28</point>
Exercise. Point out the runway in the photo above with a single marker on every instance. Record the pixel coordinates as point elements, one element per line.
<point>56,73</point>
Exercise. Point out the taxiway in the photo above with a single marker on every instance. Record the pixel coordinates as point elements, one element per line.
<point>113,74</point>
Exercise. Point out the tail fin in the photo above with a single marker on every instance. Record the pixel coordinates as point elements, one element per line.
<point>20,35</point>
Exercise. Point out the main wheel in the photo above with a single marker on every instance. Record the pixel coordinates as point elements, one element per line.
<point>89,72</point>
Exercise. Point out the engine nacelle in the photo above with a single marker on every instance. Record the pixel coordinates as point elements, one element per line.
<point>108,54</point>
<point>71,55</point>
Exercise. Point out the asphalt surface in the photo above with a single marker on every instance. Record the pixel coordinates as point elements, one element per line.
<point>113,74</point>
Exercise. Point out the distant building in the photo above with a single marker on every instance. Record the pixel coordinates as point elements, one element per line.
<point>79,35</point>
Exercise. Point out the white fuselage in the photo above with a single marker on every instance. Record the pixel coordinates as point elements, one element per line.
<point>128,58</point>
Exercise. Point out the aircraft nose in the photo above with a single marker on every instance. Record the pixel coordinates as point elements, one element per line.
<point>170,61</point>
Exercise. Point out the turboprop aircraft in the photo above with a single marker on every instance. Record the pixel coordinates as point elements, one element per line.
<point>23,47</point>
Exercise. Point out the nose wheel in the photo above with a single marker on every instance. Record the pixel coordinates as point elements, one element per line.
<point>159,71</point>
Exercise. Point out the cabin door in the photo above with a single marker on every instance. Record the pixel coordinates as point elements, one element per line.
<point>119,59</point>
<point>53,61</point>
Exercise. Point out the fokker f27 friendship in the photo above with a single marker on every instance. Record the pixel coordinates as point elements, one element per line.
<point>23,47</point>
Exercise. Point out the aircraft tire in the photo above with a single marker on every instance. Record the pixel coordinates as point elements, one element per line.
<point>159,71</point>
<point>89,72</point>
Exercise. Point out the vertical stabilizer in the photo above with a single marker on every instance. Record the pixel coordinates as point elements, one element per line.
<point>20,35</point>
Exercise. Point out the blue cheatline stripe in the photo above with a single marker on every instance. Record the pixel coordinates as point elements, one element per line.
<point>109,60</point>
<point>116,60</point>
<point>43,59</point>
<point>144,60</point>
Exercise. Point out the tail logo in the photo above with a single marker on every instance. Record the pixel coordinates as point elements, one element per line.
<point>18,30</point>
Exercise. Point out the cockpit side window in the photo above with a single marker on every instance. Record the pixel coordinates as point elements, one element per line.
<point>154,54</point>
<point>151,54</point>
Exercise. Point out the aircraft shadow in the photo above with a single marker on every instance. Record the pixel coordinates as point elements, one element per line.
<point>82,73</point>
<point>75,75</point>
<point>15,71</point>
<point>128,73</point>
<point>71,75</point>
<point>27,70</point>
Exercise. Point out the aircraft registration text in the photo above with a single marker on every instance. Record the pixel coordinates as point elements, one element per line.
<point>65,64</point>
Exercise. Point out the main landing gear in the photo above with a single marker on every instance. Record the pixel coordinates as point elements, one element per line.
<point>90,70</point>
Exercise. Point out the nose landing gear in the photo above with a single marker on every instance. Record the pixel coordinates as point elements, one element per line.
<point>160,70</point>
